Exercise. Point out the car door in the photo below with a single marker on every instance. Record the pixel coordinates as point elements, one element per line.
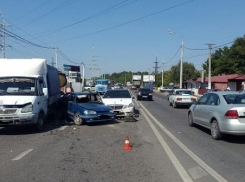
<point>70,110</point>
<point>199,108</point>
<point>42,98</point>
<point>209,108</point>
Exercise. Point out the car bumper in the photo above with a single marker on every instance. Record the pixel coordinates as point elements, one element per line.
<point>22,119</point>
<point>124,112</point>
<point>232,126</point>
<point>184,103</point>
<point>99,118</point>
<point>145,97</point>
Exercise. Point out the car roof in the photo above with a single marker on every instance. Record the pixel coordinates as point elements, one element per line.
<point>117,90</point>
<point>226,92</point>
<point>178,89</point>
<point>82,93</point>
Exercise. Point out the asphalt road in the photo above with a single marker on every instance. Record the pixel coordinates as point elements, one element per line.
<point>164,148</point>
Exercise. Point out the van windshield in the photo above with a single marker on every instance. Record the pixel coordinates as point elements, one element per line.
<point>17,86</point>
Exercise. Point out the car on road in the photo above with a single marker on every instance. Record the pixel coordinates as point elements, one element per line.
<point>121,101</point>
<point>222,112</point>
<point>144,94</point>
<point>133,87</point>
<point>87,107</point>
<point>181,97</point>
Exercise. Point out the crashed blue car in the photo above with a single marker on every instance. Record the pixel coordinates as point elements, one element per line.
<point>87,107</point>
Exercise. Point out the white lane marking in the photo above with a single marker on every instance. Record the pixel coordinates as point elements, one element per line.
<point>188,151</point>
<point>182,172</point>
<point>112,126</point>
<point>62,128</point>
<point>22,154</point>
<point>197,172</point>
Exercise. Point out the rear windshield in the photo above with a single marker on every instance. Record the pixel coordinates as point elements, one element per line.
<point>183,92</point>
<point>144,90</point>
<point>117,94</point>
<point>234,98</point>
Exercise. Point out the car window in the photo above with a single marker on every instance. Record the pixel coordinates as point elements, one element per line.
<point>235,98</point>
<point>203,99</point>
<point>117,94</point>
<point>144,89</point>
<point>213,100</point>
<point>183,92</point>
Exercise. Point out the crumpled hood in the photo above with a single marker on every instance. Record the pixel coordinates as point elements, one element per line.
<point>15,100</point>
<point>95,107</point>
<point>111,101</point>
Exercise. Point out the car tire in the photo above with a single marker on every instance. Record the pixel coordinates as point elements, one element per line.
<point>174,105</point>
<point>170,103</point>
<point>40,123</point>
<point>215,132</point>
<point>77,119</point>
<point>190,119</point>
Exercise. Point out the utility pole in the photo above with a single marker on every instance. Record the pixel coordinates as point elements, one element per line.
<point>162,71</point>
<point>2,29</point>
<point>181,57</point>
<point>56,56</point>
<point>93,65</point>
<point>53,62</point>
<point>156,66</point>
<point>83,76</point>
<point>209,65</point>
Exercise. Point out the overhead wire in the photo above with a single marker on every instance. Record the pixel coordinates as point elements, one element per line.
<point>22,39</point>
<point>31,10</point>
<point>55,9</point>
<point>112,8</point>
<point>122,24</point>
<point>173,56</point>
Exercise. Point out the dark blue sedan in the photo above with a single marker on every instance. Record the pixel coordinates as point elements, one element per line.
<point>87,107</point>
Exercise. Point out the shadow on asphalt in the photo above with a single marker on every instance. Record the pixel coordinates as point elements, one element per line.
<point>28,129</point>
<point>225,137</point>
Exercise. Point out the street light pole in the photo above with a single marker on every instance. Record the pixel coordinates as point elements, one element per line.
<point>83,76</point>
<point>209,66</point>
<point>162,72</point>
<point>181,57</point>
<point>181,63</point>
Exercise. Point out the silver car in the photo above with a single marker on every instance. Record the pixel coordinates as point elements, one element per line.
<point>222,112</point>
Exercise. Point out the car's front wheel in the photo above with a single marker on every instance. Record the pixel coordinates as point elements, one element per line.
<point>215,132</point>
<point>77,119</point>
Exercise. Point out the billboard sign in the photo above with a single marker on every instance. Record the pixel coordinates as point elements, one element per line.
<point>136,77</point>
<point>148,78</point>
<point>71,68</point>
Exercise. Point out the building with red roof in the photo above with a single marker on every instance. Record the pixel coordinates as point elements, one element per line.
<point>234,81</point>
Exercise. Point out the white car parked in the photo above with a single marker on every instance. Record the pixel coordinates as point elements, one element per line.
<point>181,97</point>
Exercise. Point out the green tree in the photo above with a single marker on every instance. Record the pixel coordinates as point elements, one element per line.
<point>189,72</point>
<point>228,60</point>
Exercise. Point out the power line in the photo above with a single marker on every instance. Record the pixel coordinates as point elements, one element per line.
<point>122,24</point>
<point>22,39</point>
<point>55,9</point>
<point>65,57</point>
<point>173,56</point>
<point>31,11</point>
<point>88,18</point>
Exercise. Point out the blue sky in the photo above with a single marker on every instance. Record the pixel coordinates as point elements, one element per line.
<point>125,35</point>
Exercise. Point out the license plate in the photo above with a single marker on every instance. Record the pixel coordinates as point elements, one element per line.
<point>185,99</point>
<point>145,96</point>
